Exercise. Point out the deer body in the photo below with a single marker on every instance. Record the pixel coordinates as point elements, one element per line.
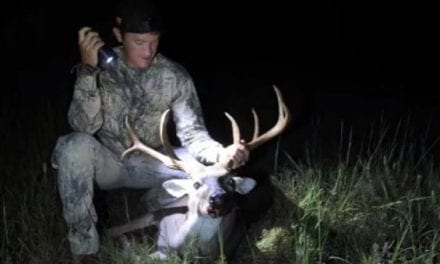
<point>203,226</point>
<point>178,230</point>
<point>210,218</point>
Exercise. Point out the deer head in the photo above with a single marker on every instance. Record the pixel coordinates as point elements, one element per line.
<point>211,187</point>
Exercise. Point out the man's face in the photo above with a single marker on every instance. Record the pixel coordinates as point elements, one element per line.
<point>140,49</point>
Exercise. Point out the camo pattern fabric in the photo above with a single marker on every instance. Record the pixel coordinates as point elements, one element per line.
<point>103,98</point>
<point>82,160</point>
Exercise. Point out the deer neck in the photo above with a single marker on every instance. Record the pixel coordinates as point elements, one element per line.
<point>201,227</point>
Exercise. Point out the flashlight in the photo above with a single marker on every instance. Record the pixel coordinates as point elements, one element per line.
<point>106,56</point>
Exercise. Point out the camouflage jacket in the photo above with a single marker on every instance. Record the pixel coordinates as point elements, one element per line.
<point>102,99</point>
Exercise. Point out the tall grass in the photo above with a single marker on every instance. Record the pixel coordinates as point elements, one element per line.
<point>32,229</point>
<point>375,200</point>
<point>378,204</point>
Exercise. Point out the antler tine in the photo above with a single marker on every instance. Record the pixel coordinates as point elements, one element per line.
<point>256,125</point>
<point>138,145</point>
<point>133,137</point>
<point>164,135</point>
<point>283,118</point>
<point>235,129</point>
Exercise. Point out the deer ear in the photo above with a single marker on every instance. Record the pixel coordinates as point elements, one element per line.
<point>178,187</point>
<point>243,185</point>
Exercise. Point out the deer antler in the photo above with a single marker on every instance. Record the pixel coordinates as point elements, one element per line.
<point>278,128</point>
<point>257,140</point>
<point>170,161</point>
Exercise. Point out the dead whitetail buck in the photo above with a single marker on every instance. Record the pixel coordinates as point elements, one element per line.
<point>209,191</point>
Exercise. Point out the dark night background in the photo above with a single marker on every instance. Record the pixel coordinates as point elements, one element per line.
<point>333,60</point>
<point>349,64</point>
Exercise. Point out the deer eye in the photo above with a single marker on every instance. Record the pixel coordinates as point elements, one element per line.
<point>197,185</point>
<point>231,183</point>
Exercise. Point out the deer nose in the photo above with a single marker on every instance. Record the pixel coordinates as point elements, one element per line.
<point>220,204</point>
<point>219,199</point>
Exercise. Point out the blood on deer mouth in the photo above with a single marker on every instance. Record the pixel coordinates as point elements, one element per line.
<point>220,207</point>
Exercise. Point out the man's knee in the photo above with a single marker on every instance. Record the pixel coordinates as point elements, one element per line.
<point>75,147</point>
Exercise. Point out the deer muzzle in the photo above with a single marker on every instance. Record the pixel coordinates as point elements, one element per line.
<point>220,204</point>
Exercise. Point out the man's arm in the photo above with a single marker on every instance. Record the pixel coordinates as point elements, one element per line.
<point>85,109</point>
<point>190,126</point>
<point>193,134</point>
<point>85,113</point>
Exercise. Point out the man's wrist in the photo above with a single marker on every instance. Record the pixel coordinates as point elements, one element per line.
<point>87,69</point>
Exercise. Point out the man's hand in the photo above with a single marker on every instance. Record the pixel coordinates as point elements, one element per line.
<point>89,44</point>
<point>235,155</point>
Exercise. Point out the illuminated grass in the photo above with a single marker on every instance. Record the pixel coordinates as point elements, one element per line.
<point>377,204</point>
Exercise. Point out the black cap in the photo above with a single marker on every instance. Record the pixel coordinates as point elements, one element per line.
<point>139,16</point>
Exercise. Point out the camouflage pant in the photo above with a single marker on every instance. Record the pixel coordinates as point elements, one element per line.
<point>81,161</point>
